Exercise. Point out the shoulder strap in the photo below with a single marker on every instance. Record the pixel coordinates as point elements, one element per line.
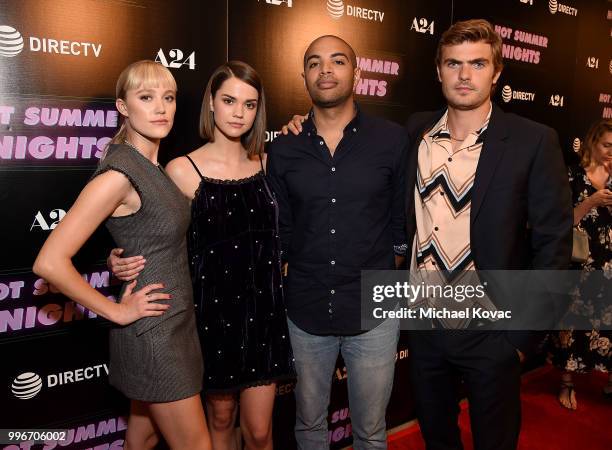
<point>261,163</point>
<point>194,166</point>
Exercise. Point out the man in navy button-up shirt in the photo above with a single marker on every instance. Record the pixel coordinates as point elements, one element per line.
<point>341,191</point>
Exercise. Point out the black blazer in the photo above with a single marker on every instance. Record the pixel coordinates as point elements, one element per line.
<point>521,214</point>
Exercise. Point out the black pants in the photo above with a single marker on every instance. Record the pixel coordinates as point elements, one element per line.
<point>488,365</point>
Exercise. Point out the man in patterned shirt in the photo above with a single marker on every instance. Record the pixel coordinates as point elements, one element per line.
<point>486,190</point>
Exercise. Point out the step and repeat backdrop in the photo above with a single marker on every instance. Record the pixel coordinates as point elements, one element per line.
<point>59,60</point>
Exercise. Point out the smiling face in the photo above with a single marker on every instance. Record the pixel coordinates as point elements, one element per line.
<point>235,107</point>
<point>329,72</point>
<point>149,110</point>
<point>467,74</point>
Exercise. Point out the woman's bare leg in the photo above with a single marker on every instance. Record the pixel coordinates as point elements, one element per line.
<point>141,432</point>
<point>256,405</point>
<point>221,410</point>
<point>182,423</point>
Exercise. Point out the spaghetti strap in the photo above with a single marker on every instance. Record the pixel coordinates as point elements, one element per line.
<point>194,166</point>
<point>261,163</point>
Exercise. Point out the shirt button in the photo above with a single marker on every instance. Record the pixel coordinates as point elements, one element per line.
<point>332,262</point>
<point>333,200</point>
<point>442,193</point>
<point>333,169</point>
<point>321,142</point>
<point>450,159</point>
<point>436,228</point>
<point>333,291</point>
<point>332,231</point>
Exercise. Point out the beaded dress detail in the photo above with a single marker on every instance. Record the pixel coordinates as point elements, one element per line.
<point>234,254</point>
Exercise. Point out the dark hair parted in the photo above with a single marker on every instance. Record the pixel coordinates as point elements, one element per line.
<point>254,139</point>
<point>474,30</point>
<point>595,133</point>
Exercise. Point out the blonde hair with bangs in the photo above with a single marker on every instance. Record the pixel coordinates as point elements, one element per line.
<point>145,73</point>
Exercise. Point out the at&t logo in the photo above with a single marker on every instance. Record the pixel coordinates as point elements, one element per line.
<point>422,25</point>
<point>554,7</point>
<point>556,100</point>
<point>55,216</point>
<point>576,144</point>
<point>11,41</point>
<point>26,386</point>
<point>176,59</point>
<point>507,93</point>
<point>335,8</point>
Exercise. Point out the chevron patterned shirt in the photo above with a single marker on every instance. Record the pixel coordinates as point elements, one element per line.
<point>443,200</point>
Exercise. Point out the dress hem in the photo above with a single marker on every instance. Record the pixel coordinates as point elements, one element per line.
<point>247,385</point>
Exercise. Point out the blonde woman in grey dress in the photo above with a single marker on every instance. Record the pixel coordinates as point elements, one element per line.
<point>155,356</point>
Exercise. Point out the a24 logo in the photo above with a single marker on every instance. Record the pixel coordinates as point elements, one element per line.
<point>176,59</point>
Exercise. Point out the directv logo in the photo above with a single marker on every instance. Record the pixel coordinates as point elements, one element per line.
<point>554,6</point>
<point>335,8</point>
<point>11,41</point>
<point>29,384</point>
<point>26,386</point>
<point>509,94</point>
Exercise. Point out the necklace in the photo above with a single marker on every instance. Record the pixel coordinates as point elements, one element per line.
<point>458,140</point>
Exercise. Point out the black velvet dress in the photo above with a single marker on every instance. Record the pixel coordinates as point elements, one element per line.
<point>234,253</point>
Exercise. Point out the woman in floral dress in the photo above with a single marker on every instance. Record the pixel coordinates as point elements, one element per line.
<point>578,351</point>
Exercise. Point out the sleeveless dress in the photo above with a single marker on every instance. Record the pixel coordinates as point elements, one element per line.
<point>234,254</point>
<point>155,359</point>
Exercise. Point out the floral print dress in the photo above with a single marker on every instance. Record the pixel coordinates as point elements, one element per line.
<point>582,350</point>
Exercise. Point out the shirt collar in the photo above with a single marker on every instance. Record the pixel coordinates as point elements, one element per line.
<point>440,129</point>
<point>353,126</point>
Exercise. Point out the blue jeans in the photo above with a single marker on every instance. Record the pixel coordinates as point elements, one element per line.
<point>370,364</point>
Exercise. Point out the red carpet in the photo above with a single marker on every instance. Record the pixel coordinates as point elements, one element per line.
<point>546,425</point>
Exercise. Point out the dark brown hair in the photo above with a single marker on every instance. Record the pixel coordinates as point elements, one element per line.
<point>595,133</point>
<point>474,30</point>
<point>254,139</point>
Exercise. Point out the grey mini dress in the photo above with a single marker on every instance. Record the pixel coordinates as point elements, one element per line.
<point>155,359</point>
